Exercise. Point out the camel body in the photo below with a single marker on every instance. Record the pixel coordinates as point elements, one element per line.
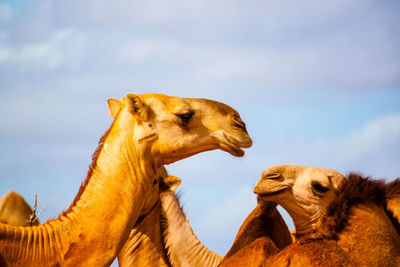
<point>368,240</point>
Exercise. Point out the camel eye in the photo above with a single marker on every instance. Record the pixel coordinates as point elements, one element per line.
<point>319,189</point>
<point>185,117</point>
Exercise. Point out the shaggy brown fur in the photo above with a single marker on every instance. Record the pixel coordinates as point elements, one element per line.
<point>356,190</point>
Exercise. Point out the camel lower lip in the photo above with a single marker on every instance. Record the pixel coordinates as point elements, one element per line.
<point>272,193</point>
<point>232,147</point>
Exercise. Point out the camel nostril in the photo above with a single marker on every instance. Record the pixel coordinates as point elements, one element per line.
<point>239,124</point>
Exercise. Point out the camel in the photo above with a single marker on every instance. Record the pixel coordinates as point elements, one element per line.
<point>14,210</point>
<point>148,131</point>
<point>342,222</point>
<point>257,249</point>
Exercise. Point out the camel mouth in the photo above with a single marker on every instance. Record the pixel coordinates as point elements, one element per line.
<point>233,146</point>
<point>268,195</point>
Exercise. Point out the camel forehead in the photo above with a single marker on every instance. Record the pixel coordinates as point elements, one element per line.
<point>305,173</point>
<point>178,104</point>
<point>170,104</point>
<point>322,175</point>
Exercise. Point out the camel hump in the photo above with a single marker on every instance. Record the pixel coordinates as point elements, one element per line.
<point>14,210</point>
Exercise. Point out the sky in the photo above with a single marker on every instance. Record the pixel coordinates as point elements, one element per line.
<point>317,83</point>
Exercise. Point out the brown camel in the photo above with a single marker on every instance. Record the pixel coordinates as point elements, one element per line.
<point>148,131</point>
<point>14,210</point>
<point>351,227</point>
<point>258,247</point>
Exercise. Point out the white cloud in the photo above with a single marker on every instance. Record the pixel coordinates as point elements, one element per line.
<point>370,149</point>
<point>377,133</point>
<point>142,51</point>
<point>341,45</point>
<point>63,48</point>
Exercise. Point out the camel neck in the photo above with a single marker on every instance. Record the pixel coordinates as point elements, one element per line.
<point>101,216</point>
<point>183,246</point>
<point>112,199</point>
<point>303,224</point>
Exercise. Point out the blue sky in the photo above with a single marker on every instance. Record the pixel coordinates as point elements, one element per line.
<point>318,84</point>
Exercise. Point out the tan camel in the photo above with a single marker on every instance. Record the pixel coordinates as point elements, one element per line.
<point>148,131</point>
<point>14,210</point>
<point>346,225</point>
<point>144,244</point>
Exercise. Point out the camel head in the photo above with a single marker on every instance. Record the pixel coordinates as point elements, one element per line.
<point>304,192</point>
<point>175,128</point>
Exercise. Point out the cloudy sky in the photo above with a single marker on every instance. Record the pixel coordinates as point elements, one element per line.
<point>317,82</point>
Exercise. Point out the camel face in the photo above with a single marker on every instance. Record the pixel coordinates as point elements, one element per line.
<point>176,128</point>
<point>304,192</point>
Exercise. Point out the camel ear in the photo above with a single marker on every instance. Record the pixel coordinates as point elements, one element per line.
<point>337,180</point>
<point>136,106</point>
<point>113,106</point>
<point>172,182</point>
